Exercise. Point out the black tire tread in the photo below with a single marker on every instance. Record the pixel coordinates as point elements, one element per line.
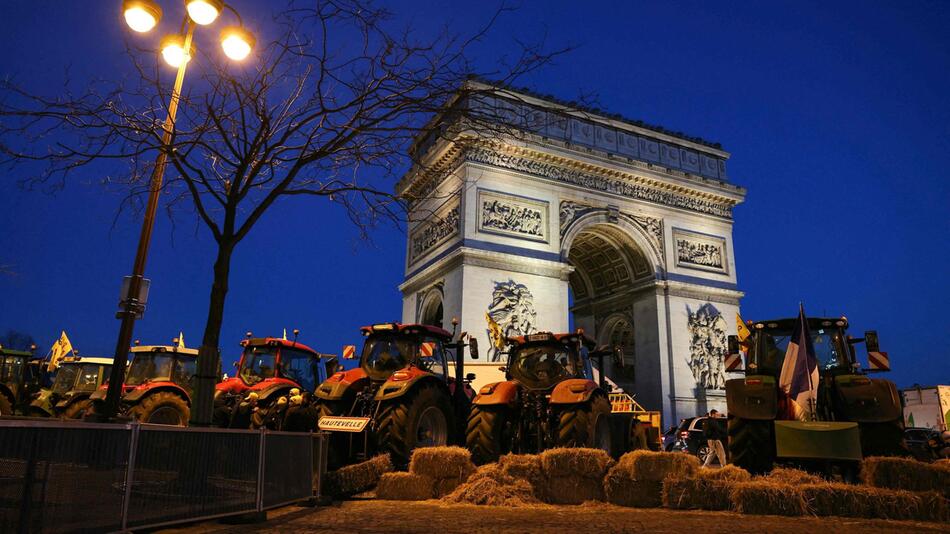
<point>576,422</point>
<point>484,434</point>
<point>751,445</point>
<point>77,409</point>
<point>151,402</point>
<point>393,433</point>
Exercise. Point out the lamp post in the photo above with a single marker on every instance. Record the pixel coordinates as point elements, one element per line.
<point>177,50</point>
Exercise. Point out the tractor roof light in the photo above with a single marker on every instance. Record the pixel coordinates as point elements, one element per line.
<point>141,15</point>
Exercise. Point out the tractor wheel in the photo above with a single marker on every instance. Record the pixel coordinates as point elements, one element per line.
<point>751,445</point>
<point>5,407</point>
<point>77,409</point>
<point>883,439</point>
<point>162,408</point>
<point>585,425</point>
<point>485,434</point>
<point>422,418</point>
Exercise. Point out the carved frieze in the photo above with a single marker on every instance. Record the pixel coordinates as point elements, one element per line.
<point>707,346</point>
<point>569,211</point>
<point>434,232</point>
<point>511,313</point>
<point>598,183</point>
<point>512,216</point>
<point>700,251</point>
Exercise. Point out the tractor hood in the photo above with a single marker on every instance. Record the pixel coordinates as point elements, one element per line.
<point>337,385</point>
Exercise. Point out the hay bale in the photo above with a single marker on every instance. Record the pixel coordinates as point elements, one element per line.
<point>524,466</point>
<point>572,490</point>
<point>656,466</point>
<point>357,478</point>
<point>405,487</point>
<point>839,499</point>
<point>623,489</point>
<point>787,475</point>
<point>492,471</point>
<point>579,462</point>
<point>444,486</point>
<point>765,497</point>
<point>486,490</point>
<point>906,474</point>
<point>727,472</point>
<point>442,462</point>
<point>701,493</point>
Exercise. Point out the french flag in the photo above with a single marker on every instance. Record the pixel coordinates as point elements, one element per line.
<point>799,378</point>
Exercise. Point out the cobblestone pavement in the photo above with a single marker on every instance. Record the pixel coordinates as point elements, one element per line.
<point>435,518</point>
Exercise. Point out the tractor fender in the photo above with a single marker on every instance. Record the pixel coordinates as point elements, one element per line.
<point>69,400</point>
<point>399,384</point>
<point>43,402</point>
<point>574,390</point>
<point>8,393</point>
<point>136,395</point>
<point>867,400</point>
<point>753,397</point>
<point>274,390</point>
<point>496,394</point>
<point>337,386</point>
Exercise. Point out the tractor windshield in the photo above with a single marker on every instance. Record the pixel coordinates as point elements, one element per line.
<point>258,363</point>
<point>829,344</point>
<point>384,354</point>
<point>11,369</point>
<point>542,366</point>
<point>87,378</point>
<point>65,378</point>
<point>150,366</point>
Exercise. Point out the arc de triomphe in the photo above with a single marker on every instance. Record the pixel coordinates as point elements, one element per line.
<point>584,221</point>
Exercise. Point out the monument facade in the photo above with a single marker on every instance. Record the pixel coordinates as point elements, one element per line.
<point>572,219</point>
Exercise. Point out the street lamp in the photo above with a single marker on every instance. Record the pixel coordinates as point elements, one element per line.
<point>176,50</point>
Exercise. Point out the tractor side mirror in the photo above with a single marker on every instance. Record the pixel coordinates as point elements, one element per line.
<point>235,364</point>
<point>733,342</point>
<point>871,341</point>
<point>473,348</point>
<point>349,352</point>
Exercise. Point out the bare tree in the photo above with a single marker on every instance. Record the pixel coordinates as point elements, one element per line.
<point>328,109</point>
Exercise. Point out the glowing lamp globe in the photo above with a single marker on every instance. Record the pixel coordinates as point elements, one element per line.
<point>141,15</point>
<point>173,50</point>
<point>237,42</point>
<point>204,12</point>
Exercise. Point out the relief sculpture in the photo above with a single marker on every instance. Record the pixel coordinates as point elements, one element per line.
<point>434,233</point>
<point>707,346</point>
<point>498,214</point>
<point>511,313</point>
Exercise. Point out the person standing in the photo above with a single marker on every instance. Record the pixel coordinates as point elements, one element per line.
<point>715,432</point>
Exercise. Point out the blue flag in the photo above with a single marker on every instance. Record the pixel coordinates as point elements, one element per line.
<point>799,378</point>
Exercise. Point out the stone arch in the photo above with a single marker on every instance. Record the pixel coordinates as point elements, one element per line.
<point>647,244</point>
<point>431,308</point>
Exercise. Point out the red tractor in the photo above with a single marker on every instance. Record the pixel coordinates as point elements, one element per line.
<point>270,369</point>
<point>402,395</point>
<point>550,399</point>
<point>157,386</point>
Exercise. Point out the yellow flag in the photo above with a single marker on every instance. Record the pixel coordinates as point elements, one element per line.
<point>742,329</point>
<point>285,334</point>
<point>494,333</point>
<point>181,339</point>
<point>61,348</point>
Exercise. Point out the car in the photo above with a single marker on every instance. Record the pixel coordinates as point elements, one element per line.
<point>669,438</point>
<point>918,442</point>
<point>690,437</point>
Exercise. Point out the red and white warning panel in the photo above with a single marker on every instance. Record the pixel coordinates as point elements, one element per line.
<point>427,349</point>
<point>349,352</point>
<point>879,361</point>
<point>734,361</point>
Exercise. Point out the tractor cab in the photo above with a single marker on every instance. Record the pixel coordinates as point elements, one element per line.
<point>21,378</point>
<point>542,361</point>
<point>833,347</point>
<point>77,377</point>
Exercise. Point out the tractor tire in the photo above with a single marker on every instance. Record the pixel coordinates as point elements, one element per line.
<point>6,408</point>
<point>883,439</point>
<point>751,445</point>
<point>423,417</point>
<point>485,434</point>
<point>585,425</point>
<point>162,408</point>
<point>77,409</point>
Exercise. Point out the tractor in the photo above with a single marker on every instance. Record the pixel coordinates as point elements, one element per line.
<point>855,416</point>
<point>21,377</point>
<point>77,377</point>
<point>158,385</point>
<point>402,396</point>
<point>268,373</point>
<point>550,399</point>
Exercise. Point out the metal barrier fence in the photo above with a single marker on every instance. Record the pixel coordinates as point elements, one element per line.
<point>60,476</point>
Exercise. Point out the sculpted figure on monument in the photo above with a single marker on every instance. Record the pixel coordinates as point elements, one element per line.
<point>512,312</point>
<point>707,330</point>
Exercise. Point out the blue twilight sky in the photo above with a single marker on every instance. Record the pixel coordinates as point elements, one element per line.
<point>837,115</point>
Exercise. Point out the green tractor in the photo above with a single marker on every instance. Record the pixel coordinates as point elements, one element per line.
<point>854,416</point>
<point>77,377</point>
<point>21,377</point>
